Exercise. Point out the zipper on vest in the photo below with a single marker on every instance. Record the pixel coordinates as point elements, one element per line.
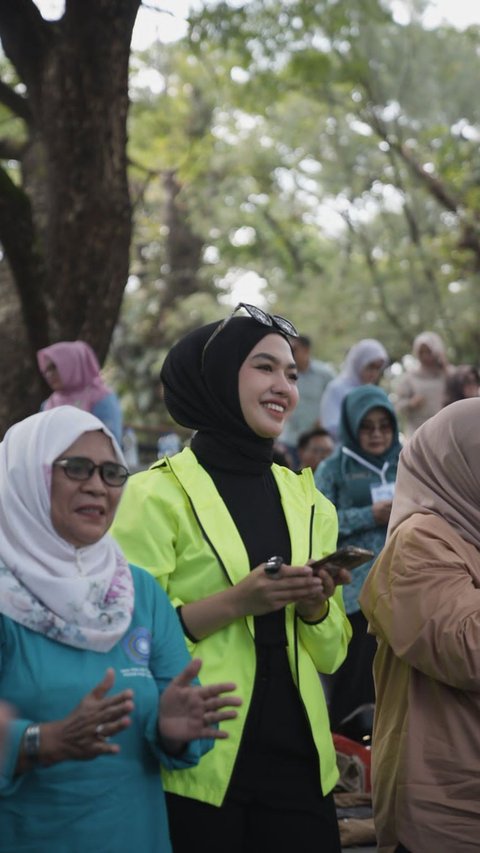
<point>310,532</point>
<point>217,555</point>
<point>209,541</point>
<point>295,634</point>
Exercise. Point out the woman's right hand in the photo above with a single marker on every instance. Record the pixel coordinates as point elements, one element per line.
<point>6,715</point>
<point>256,594</point>
<point>84,734</point>
<point>261,593</point>
<point>381,512</point>
<point>415,401</point>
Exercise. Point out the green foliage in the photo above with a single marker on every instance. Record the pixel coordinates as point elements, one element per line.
<point>330,151</point>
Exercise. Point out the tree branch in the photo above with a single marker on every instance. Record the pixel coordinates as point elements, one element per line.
<point>25,37</point>
<point>434,186</point>
<point>153,8</point>
<point>415,231</point>
<point>149,175</point>
<point>18,104</point>
<point>17,235</point>
<point>11,149</point>
<point>377,280</point>
<point>469,237</point>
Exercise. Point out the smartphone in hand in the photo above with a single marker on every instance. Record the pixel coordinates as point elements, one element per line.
<point>349,557</point>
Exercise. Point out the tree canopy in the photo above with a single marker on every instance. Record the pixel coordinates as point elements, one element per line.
<point>329,150</point>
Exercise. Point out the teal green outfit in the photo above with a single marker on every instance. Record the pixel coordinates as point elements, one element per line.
<point>114,803</point>
<point>347,478</point>
<point>347,482</point>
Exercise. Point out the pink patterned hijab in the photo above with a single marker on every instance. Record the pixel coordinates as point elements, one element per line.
<point>439,471</point>
<point>79,370</point>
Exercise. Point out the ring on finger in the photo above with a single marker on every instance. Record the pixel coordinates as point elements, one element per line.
<point>98,731</point>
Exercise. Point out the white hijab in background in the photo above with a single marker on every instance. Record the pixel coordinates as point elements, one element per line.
<point>82,597</point>
<point>422,384</point>
<point>362,353</point>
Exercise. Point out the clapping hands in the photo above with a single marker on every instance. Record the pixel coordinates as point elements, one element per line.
<point>188,711</point>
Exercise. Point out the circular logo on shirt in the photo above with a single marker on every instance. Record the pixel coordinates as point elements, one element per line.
<point>136,644</point>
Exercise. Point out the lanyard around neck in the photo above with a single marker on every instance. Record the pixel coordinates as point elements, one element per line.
<point>380,471</point>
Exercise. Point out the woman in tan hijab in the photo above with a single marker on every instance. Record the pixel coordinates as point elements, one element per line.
<point>422,600</point>
<point>421,390</point>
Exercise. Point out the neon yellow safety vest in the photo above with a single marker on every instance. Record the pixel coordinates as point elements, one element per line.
<point>173,522</point>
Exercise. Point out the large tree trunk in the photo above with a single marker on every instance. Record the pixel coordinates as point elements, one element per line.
<point>69,250</point>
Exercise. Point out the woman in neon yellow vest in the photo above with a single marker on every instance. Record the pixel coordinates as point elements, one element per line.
<point>205,522</point>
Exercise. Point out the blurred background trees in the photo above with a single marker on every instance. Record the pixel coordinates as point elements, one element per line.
<point>316,158</point>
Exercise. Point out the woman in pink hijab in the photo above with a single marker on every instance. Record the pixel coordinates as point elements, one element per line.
<point>72,371</point>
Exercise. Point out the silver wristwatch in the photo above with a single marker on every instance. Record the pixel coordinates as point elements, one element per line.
<point>31,742</point>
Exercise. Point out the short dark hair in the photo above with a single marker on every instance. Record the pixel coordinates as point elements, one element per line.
<point>305,437</point>
<point>457,379</point>
<point>304,340</point>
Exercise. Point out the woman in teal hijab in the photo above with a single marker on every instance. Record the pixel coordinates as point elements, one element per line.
<point>359,479</point>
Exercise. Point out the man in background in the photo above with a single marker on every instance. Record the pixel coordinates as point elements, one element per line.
<point>313,447</point>
<point>313,378</point>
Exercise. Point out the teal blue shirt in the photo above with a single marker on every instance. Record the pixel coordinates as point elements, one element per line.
<point>348,481</point>
<point>114,803</point>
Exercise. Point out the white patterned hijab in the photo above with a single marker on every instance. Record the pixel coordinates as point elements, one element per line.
<point>82,597</point>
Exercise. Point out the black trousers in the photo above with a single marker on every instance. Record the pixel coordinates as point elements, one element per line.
<point>251,828</point>
<point>352,684</point>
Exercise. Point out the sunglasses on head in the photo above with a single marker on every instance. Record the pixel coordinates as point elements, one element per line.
<point>80,468</point>
<point>273,320</point>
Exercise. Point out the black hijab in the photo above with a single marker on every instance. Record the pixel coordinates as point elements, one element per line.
<point>209,402</point>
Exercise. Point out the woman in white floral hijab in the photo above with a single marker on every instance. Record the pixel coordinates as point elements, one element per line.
<point>75,618</point>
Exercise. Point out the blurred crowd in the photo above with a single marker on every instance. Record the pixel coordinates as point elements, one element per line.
<point>228,556</point>
<point>424,383</point>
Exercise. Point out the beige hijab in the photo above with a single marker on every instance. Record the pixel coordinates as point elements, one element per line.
<point>435,345</point>
<point>439,471</point>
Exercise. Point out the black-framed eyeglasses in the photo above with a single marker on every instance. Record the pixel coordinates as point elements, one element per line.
<point>80,468</point>
<point>370,429</point>
<point>272,320</point>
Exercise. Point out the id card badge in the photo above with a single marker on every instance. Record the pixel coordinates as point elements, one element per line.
<point>383,492</point>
